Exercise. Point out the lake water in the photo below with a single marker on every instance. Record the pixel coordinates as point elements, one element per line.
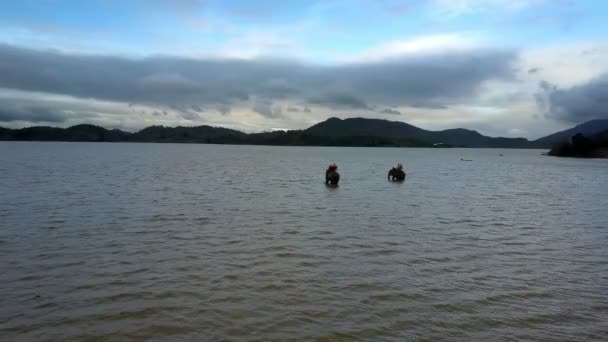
<point>160,242</point>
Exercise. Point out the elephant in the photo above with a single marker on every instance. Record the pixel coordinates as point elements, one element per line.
<point>332,177</point>
<point>396,175</point>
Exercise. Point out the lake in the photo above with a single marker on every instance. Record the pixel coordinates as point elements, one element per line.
<point>129,242</point>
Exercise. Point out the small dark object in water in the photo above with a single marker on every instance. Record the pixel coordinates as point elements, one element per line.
<point>466,159</point>
<point>396,175</point>
<point>332,177</point>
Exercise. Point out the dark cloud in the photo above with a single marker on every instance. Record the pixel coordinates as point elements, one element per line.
<point>533,70</point>
<point>390,111</point>
<point>16,110</point>
<point>576,104</point>
<point>266,109</point>
<point>428,105</point>
<point>188,112</point>
<point>426,81</point>
<point>188,115</point>
<point>197,108</point>
<point>340,101</point>
<point>224,109</point>
<point>32,114</point>
<point>277,111</point>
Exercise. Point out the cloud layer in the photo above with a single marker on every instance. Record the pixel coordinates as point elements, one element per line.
<point>190,85</point>
<point>576,104</point>
<point>31,113</point>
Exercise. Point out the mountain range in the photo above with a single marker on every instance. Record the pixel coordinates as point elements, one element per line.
<point>332,132</point>
<point>588,128</point>
<point>582,146</point>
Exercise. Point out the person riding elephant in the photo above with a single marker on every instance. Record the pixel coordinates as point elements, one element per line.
<point>396,173</point>
<point>331,175</point>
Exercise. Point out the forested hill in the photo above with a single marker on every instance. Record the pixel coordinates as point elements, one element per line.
<point>332,132</point>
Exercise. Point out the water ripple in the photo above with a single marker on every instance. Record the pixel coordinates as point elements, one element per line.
<point>196,242</point>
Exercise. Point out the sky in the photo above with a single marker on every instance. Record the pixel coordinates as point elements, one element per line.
<point>514,68</point>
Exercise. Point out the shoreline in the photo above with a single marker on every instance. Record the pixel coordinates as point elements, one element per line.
<point>274,145</point>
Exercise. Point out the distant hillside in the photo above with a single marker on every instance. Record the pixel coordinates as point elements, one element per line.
<point>588,128</point>
<point>595,146</point>
<point>332,132</point>
<point>401,130</point>
<point>364,127</point>
<point>74,133</point>
<point>198,134</point>
<point>5,133</point>
<point>602,137</point>
<point>94,133</point>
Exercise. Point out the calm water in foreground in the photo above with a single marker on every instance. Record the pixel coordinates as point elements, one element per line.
<point>124,242</point>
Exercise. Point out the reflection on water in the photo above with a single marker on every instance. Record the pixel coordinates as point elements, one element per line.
<point>197,242</point>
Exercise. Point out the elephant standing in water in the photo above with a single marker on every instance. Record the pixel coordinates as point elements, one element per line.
<point>332,177</point>
<point>396,174</point>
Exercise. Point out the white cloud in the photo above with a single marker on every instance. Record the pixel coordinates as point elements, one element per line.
<point>565,65</point>
<point>516,132</point>
<point>255,44</point>
<point>435,43</point>
<point>451,8</point>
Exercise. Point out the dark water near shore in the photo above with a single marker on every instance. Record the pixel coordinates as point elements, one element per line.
<point>125,242</point>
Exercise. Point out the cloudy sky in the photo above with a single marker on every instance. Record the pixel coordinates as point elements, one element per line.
<point>503,67</point>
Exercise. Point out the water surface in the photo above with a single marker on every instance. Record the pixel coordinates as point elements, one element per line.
<point>202,242</point>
